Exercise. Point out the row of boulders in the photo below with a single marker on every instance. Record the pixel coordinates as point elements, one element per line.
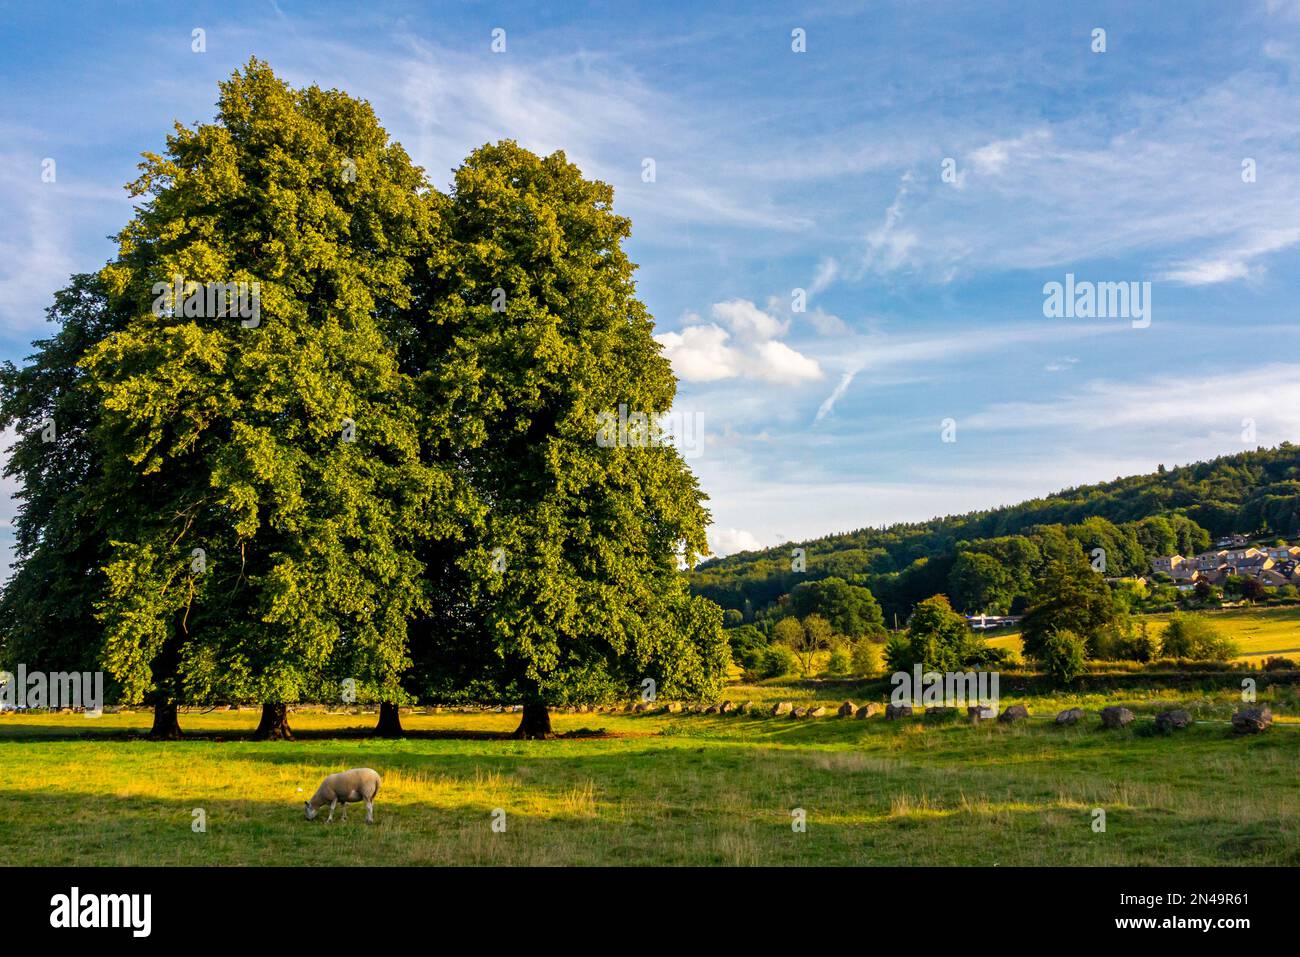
<point>847,710</point>
<point>1244,721</point>
<point>676,707</point>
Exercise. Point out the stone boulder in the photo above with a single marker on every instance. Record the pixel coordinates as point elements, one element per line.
<point>799,713</point>
<point>1070,716</point>
<point>1014,713</point>
<point>746,708</point>
<point>642,706</point>
<point>1252,720</point>
<point>1116,717</point>
<point>895,711</point>
<point>817,712</point>
<point>1174,720</point>
<point>981,712</point>
<point>727,707</point>
<point>673,707</point>
<point>713,709</point>
<point>782,707</point>
<point>846,710</point>
<point>867,710</point>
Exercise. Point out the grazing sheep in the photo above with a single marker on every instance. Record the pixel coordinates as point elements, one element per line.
<point>359,784</point>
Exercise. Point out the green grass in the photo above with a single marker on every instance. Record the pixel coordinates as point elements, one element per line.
<point>660,790</point>
<point>1259,632</point>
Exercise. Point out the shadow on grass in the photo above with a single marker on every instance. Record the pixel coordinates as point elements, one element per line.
<point>39,733</point>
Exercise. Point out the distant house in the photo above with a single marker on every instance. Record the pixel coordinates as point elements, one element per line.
<point>1252,566</point>
<point>1274,577</point>
<point>1275,565</point>
<point>1231,541</point>
<point>1166,564</point>
<point>1210,561</point>
<point>985,622</point>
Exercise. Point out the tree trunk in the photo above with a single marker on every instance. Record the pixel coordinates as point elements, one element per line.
<point>390,721</point>
<point>536,722</point>
<point>274,725</point>
<point>166,727</point>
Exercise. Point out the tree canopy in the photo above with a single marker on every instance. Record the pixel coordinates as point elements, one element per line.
<point>531,300</point>
<point>318,422</point>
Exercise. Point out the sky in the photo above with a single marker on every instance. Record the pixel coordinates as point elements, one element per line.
<point>854,220</point>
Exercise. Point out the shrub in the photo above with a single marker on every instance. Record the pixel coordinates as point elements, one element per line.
<point>1126,642</point>
<point>937,638</point>
<point>1276,663</point>
<point>898,653</point>
<point>839,662</point>
<point>865,658</point>
<point>977,654</point>
<point>1063,656</point>
<point>778,661</point>
<point>1187,636</point>
<point>747,645</point>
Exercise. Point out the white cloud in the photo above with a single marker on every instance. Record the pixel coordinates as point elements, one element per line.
<point>890,245</point>
<point>828,404</point>
<point>728,541</point>
<point>993,158</point>
<point>1204,411</point>
<point>1061,365</point>
<point>827,324</point>
<point>35,253</point>
<point>1157,181</point>
<point>748,347</point>
<point>1233,262</point>
<point>700,353</point>
<point>777,362</point>
<point>747,322</point>
<point>824,275</point>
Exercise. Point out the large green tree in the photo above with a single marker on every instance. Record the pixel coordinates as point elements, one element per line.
<point>851,609</point>
<point>937,639</point>
<point>569,588</point>
<point>66,509</point>
<point>1069,597</point>
<point>282,451</point>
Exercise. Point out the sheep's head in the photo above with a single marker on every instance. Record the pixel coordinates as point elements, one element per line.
<point>311,811</point>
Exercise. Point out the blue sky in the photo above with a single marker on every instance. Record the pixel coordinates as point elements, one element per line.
<point>820,171</point>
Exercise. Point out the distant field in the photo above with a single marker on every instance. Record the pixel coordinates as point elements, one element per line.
<point>684,789</point>
<point>1260,632</point>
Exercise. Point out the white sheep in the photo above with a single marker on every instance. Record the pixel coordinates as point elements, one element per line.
<point>359,784</point>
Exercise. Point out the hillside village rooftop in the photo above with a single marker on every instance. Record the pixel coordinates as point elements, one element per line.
<point>1271,565</point>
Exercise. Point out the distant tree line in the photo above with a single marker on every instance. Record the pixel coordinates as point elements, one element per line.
<point>988,561</point>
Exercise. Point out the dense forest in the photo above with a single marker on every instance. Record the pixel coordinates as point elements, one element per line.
<point>987,561</point>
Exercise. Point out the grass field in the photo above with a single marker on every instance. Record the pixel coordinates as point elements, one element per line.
<point>1259,632</point>
<point>660,789</point>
